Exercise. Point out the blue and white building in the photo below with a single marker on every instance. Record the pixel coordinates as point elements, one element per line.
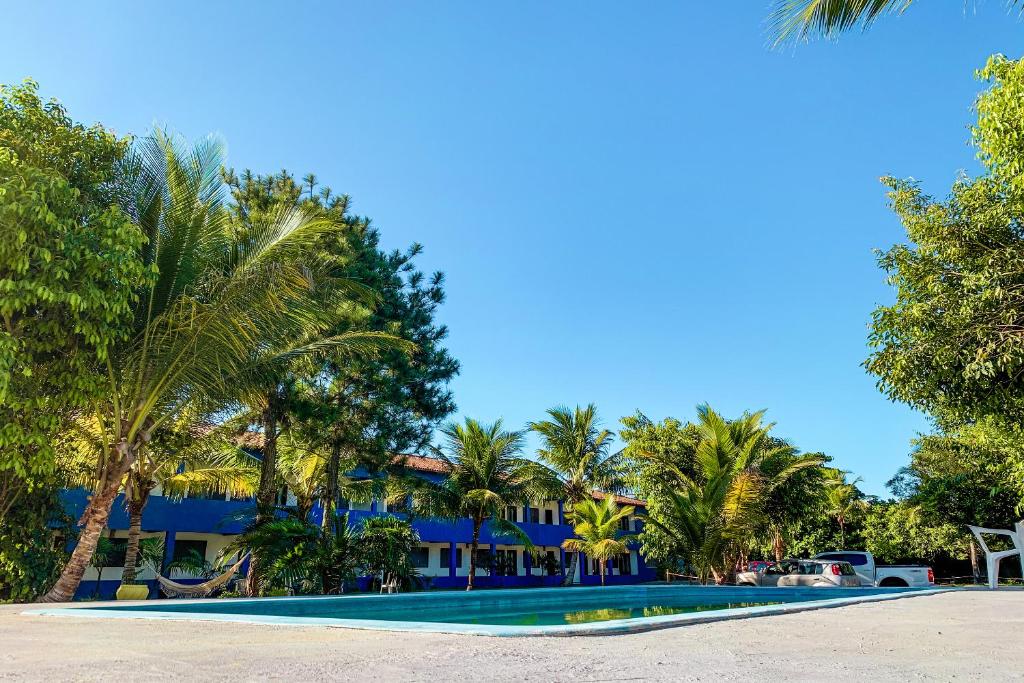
<point>207,524</point>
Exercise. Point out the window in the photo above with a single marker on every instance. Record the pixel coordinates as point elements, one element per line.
<point>446,558</point>
<point>549,516</point>
<point>510,513</point>
<point>506,562</point>
<point>625,564</point>
<point>420,557</point>
<point>624,524</point>
<point>400,506</point>
<point>551,563</point>
<point>483,559</point>
<point>115,557</point>
<point>535,515</point>
<point>856,559</point>
<point>183,548</point>
<point>282,496</point>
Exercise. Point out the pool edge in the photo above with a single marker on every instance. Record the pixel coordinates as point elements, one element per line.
<point>614,627</point>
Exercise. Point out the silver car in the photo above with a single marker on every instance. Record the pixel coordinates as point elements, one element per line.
<point>830,573</point>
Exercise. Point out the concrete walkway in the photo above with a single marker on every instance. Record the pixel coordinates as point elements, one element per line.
<point>969,635</point>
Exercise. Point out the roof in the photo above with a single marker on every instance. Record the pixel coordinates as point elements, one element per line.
<point>250,440</point>
<point>422,463</point>
<point>622,500</point>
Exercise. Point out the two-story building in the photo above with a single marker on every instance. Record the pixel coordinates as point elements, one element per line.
<point>207,524</point>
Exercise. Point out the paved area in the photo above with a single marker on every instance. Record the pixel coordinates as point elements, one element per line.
<point>969,635</point>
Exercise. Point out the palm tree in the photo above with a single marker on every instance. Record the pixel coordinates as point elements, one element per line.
<point>298,554</point>
<point>186,456</point>
<point>224,298</point>
<point>578,452</point>
<point>486,475</point>
<point>799,19</point>
<point>386,543</point>
<point>842,499</point>
<point>737,465</point>
<point>597,526</point>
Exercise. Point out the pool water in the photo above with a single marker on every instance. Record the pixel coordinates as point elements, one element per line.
<point>508,612</point>
<point>556,616</point>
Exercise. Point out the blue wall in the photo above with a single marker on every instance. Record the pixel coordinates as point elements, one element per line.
<point>198,515</point>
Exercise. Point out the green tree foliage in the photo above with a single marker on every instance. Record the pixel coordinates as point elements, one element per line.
<point>596,525</point>
<point>953,342</point>
<point>363,409</point>
<point>898,532</point>
<point>655,451</point>
<point>385,549</point>
<point>486,475</point>
<point>708,519</point>
<point>299,555</point>
<point>802,19</point>
<point>577,451</point>
<point>227,302</point>
<point>967,475</point>
<point>30,556</point>
<point>69,267</point>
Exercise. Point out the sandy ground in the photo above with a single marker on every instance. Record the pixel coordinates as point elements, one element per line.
<point>970,635</point>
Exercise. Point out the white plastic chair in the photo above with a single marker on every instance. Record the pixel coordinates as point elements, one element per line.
<point>390,585</point>
<point>992,559</point>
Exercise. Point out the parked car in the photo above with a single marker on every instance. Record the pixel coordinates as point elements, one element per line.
<point>886,576</point>
<point>801,573</point>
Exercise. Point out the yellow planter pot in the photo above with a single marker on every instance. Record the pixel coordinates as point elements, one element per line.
<point>133,592</point>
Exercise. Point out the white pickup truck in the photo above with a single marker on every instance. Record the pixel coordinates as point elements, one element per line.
<point>885,576</point>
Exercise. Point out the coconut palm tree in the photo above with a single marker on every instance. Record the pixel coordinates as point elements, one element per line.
<point>596,525</point>
<point>224,297</point>
<point>577,451</point>
<point>186,456</point>
<point>800,19</point>
<point>737,465</point>
<point>486,475</point>
<point>842,499</point>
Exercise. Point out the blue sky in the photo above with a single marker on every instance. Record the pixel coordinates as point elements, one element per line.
<point>638,205</point>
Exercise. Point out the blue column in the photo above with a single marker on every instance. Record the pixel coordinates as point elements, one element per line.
<point>561,560</point>
<point>373,505</point>
<point>527,562</point>
<point>168,550</point>
<point>452,555</point>
<point>561,512</point>
<point>316,515</point>
<point>583,566</point>
<point>526,513</point>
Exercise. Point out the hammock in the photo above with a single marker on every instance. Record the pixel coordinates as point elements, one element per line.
<point>173,589</point>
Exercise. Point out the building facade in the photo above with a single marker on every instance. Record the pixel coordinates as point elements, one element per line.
<point>207,524</point>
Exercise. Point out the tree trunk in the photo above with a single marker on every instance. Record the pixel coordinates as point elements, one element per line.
<point>842,533</point>
<point>131,552</point>
<point>778,544</point>
<point>601,566</point>
<point>472,553</point>
<point>570,576</point>
<point>93,521</point>
<point>267,491</point>
<point>330,503</point>
<point>975,569</point>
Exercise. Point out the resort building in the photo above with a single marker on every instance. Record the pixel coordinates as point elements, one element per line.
<point>207,524</point>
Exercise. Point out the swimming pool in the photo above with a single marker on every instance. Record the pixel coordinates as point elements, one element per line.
<point>514,612</point>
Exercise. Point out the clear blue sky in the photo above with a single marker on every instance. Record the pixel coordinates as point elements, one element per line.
<point>637,205</point>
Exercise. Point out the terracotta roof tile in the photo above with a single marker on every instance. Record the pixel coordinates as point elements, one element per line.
<point>622,500</point>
